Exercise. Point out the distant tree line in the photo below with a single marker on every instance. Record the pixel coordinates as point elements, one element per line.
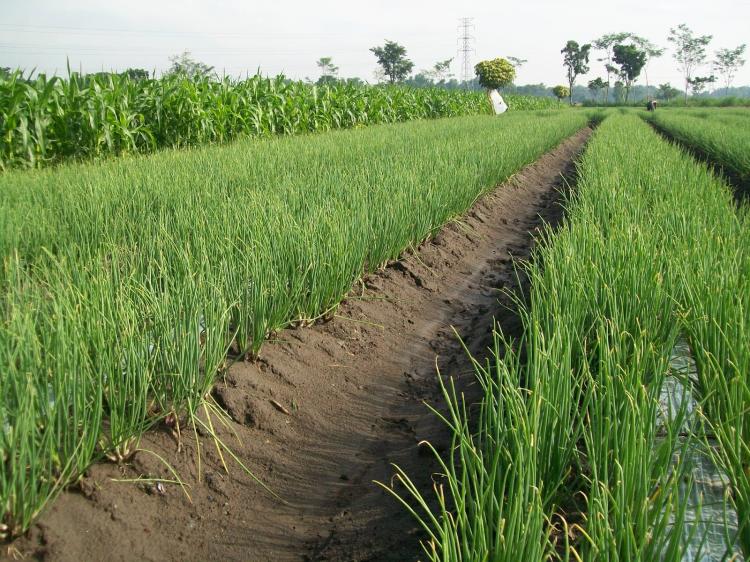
<point>625,57</point>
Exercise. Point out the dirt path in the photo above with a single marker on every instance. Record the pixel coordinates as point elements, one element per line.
<point>323,413</point>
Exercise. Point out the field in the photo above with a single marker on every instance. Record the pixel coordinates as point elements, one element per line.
<point>137,296</point>
<point>297,293</point>
<point>718,136</point>
<point>652,251</point>
<point>47,120</point>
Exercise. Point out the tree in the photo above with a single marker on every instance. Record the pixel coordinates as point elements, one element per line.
<point>652,51</point>
<point>392,59</point>
<point>495,73</point>
<point>184,64</point>
<point>618,91</point>
<point>605,43</point>
<point>137,74</point>
<point>666,92</point>
<point>440,72</point>
<point>596,86</point>
<point>420,80</point>
<point>561,92</point>
<point>539,90</point>
<point>727,63</point>
<point>516,62</point>
<point>576,61</point>
<point>326,66</point>
<point>698,83</point>
<point>690,51</point>
<point>612,70</point>
<point>631,60</point>
<point>379,75</point>
<point>328,71</point>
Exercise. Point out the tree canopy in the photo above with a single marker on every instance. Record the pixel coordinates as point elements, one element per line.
<point>728,62</point>
<point>596,86</point>
<point>666,92</point>
<point>328,71</point>
<point>440,71</point>
<point>575,60</point>
<point>137,73</point>
<point>561,92</point>
<point>185,64</point>
<point>516,62</point>
<point>326,66</point>
<point>698,83</point>
<point>631,61</point>
<point>392,59</point>
<point>690,51</point>
<point>495,73</point>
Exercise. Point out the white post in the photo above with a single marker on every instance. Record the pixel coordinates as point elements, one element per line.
<point>498,103</point>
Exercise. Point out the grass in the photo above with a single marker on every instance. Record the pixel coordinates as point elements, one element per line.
<point>125,285</point>
<point>572,456</point>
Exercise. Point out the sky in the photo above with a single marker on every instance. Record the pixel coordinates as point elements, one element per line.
<point>238,36</point>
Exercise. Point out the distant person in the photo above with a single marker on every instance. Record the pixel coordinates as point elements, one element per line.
<point>651,105</point>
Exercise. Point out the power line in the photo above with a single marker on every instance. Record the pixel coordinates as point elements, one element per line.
<point>75,30</point>
<point>25,49</point>
<point>466,47</point>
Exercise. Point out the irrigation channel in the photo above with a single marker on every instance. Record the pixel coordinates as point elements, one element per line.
<point>323,413</point>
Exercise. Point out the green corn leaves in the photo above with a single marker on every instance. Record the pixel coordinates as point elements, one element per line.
<point>46,120</point>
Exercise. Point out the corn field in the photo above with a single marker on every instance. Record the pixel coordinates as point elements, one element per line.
<point>46,120</point>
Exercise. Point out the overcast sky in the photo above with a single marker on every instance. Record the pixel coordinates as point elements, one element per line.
<point>283,36</point>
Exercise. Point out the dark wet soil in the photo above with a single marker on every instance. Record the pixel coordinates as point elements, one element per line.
<point>323,413</point>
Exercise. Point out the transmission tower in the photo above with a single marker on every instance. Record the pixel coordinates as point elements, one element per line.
<point>466,48</point>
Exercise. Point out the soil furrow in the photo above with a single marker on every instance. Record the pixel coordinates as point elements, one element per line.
<point>324,412</point>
